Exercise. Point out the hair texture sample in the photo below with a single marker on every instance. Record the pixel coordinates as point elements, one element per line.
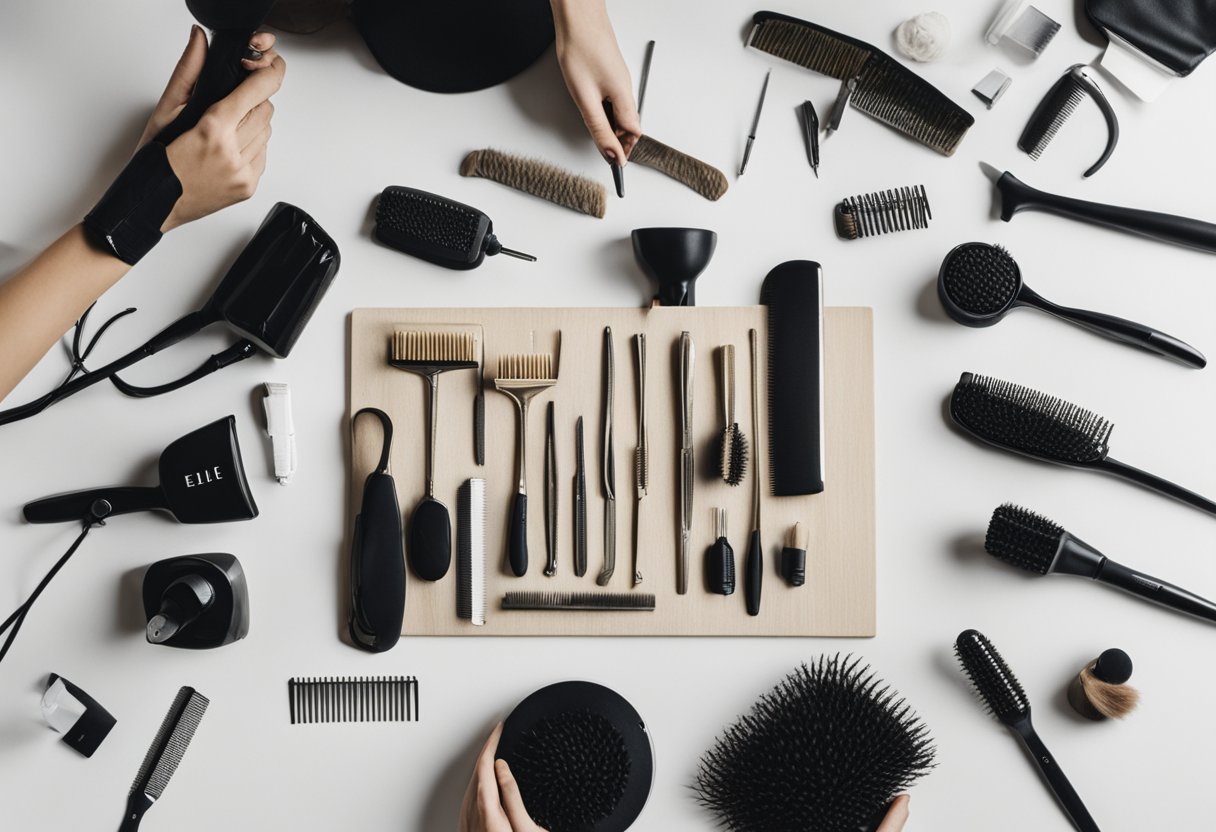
<point>539,178</point>
<point>703,178</point>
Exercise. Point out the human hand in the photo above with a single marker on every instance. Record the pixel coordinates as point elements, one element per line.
<point>595,72</point>
<point>220,160</point>
<point>897,815</point>
<point>492,802</point>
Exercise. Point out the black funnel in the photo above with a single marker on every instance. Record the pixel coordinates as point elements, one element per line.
<point>673,258</point>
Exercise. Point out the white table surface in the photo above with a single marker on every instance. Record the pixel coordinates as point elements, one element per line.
<point>76,82</point>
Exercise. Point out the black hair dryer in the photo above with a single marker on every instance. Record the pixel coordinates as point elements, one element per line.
<point>196,601</point>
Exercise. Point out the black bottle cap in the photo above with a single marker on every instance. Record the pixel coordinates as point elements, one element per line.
<point>1113,666</point>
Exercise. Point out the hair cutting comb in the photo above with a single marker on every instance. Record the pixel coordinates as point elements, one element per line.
<point>1055,108</point>
<point>166,751</point>
<point>869,215</point>
<point>471,551</point>
<point>353,699</point>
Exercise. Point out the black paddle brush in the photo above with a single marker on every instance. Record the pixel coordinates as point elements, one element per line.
<point>1030,541</point>
<point>825,750</point>
<point>1040,426</point>
<point>1001,692</point>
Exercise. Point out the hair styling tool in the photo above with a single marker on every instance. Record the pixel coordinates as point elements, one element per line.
<point>753,577</point>
<point>880,86</point>
<point>164,755</point>
<point>1024,25</point>
<point>793,293</point>
<point>1039,426</point>
<point>810,133</point>
<point>580,502</point>
<point>579,601</point>
<point>991,87</point>
<point>429,353</point>
<point>581,755</point>
<point>688,359</point>
<point>751,135</point>
<point>732,442</point>
<point>1055,108</point>
<point>826,749</point>
<point>690,171</point>
<point>353,699</point>
<point>720,559</point>
<point>538,178</point>
<point>521,378</point>
<point>645,79</point>
<point>196,601</point>
<point>1100,691</point>
<point>281,429</point>
<point>848,86</point>
<point>641,456</point>
<point>437,229</point>
<point>1030,541</point>
<point>1017,196</point>
<point>618,172</point>
<point>608,463</point>
<point>1002,694</point>
<point>471,551</point>
<point>793,556</point>
<point>79,719</point>
<point>377,559</point>
<point>674,258</point>
<point>550,494</point>
<point>979,283</point>
<point>267,298</point>
<point>479,402</point>
<point>868,215</point>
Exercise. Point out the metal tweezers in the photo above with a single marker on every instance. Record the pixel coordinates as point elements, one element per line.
<point>688,357</point>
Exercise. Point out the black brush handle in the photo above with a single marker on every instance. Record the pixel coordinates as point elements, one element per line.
<point>1151,481</point>
<point>1017,196</point>
<point>137,804</point>
<point>1069,800</point>
<point>517,535</point>
<point>77,505</point>
<point>1155,590</point>
<point>753,577</point>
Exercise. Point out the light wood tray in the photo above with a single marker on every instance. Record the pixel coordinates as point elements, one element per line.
<point>838,597</point>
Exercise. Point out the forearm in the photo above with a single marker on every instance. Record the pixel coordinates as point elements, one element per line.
<point>40,302</point>
<point>569,13</point>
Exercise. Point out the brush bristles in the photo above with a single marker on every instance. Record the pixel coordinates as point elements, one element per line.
<point>701,177</point>
<point>979,278</point>
<point>415,346</point>
<point>530,367</point>
<point>1113,701</point>
<point>819,50</point>
<point>732,455</point>
<point>824,750</point>
<point>538,178</point>
<point>170,743</point>
<point>1028,421</point>
<point>994,682</point>
<point>1023,539</point>
<point>867,215</point>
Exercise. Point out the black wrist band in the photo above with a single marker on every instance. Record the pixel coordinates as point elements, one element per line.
<point>126,221</point>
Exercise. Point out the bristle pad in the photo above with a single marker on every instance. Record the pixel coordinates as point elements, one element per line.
<point>995,683</point>
<point>1028,421</point>
<point>824,750</point>
<point>1022,538</point>
<point>171,742</point>
<point>530,366</point>
<point>980,279</point>
<point>434,346</point>
<point>425,217</point>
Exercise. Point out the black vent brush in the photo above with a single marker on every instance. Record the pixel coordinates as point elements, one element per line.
<point>979,283</point>
<point>1031,423</point>
<point>437,229</point>
<point>825,750</point>
<point>1060,103</point>
<point>1030,541</point>
<point>1001,692</point>
<point>166,751</point>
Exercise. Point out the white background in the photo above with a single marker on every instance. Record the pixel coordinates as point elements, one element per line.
<point>76,82</point>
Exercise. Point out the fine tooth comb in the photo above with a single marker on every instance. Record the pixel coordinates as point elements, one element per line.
<point>884,88</point>
<point>429,353</point>
<point>471,552</point>
<point>580,601</point>
<point>164,754</point>
<point>353,699</point>
<point>1040,426</point>
<point>523,377</point>
<point>1055,108</point>
<point>868,215</point>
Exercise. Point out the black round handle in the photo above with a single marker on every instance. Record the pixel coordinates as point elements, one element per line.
<point>517,536</point>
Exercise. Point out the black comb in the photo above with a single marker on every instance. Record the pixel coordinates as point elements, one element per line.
<point>1044,427</point>
<point>884,88</point>
<point>580,601</point>
<point>1001,692</point>
<point>437,229</point>
<point>353,699</point>
<point>882,212</point>
<point>793,293</point>
<point>166,751</point>
<point>1055,108</point>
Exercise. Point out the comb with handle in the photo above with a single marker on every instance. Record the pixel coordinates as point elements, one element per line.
<point>166,752</point>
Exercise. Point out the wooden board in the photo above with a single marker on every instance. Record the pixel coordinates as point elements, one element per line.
<point>838,597</point>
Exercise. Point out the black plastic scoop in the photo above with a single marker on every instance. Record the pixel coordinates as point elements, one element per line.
<point>979,283</point>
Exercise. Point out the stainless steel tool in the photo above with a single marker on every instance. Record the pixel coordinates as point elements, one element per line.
<point>688,358</point>
<point>580,502</point>
<point>608,463</point>
<point>641,456</point>
<point>550,495</point>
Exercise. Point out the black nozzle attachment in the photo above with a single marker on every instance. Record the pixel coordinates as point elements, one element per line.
<point>196,601</point>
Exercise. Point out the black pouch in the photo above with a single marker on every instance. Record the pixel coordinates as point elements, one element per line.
<point>1178,34</point>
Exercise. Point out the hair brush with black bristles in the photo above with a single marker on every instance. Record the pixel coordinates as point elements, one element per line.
<point>1001,692</point>
<point>825,750</point>
<point>1043,427</point>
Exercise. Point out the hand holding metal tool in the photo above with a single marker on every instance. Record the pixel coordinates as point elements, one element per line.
<point>688,358</point>
<point>608,464</point>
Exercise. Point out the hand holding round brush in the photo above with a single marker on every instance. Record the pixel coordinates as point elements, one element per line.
<point>492,802</point>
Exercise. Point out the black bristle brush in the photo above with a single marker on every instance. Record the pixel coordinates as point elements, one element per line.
<point>826,750</point>
<point>1055,108</point>
<point>732,442</point>
<point>1001,692</point>
<point>1030,541</point>
<point>1040,426</point>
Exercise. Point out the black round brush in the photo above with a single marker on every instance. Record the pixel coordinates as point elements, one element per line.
<point>1030,541</point>
<point>1028,422</point>
<point>825,750</point>
<point>732,443</point>
<point>1001,692</point>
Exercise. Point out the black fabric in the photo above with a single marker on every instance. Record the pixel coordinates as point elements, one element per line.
<point>1177,33</point>
<point>126,221</point>
<point>455,45</point>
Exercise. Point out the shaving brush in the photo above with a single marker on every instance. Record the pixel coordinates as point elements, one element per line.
<point>1100,691</point>
<point>825,750</point>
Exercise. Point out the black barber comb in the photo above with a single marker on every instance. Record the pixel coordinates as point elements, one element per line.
<point>437,229</point>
